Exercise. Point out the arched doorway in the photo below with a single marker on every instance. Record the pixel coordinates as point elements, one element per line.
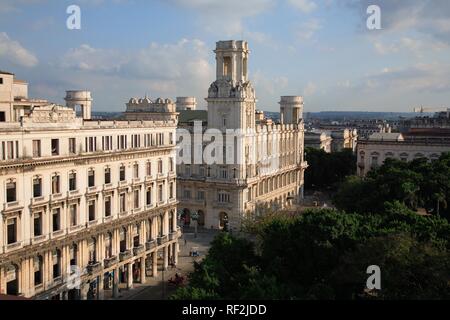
<point>201,218</point>
<point>223,220</point>
<point>186,217</point>
<point>12,278</point>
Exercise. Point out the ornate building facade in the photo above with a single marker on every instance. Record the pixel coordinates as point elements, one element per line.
<point>86,206</point>
<point>262,167</point>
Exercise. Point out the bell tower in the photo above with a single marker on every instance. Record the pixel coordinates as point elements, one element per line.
<point>231,59</point>
<point>231,97</point>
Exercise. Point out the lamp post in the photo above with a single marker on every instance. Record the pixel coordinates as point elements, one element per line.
<point>195,219</point>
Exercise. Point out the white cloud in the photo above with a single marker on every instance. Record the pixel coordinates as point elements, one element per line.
<point>166,70</point>
<point>308,29</point>
<point>224,18</point>
<point>430,78</point>
<point>306,6</point>
<point>13,52</point>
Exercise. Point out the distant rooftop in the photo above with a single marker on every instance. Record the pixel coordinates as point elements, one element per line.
<point>386,137</point>
<point>4,72</point>
<point>192,115</point>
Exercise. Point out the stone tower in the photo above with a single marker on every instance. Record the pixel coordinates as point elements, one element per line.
<point>231,97</point>
<point>291,109</point>
<point>80,98</point>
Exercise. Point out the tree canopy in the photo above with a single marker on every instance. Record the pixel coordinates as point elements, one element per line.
<point>324,254</point>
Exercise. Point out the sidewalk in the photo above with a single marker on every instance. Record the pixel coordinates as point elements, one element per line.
<point>153,288</point>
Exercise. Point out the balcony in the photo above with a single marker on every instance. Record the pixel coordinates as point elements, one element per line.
<point>161,175</point>
<point>108,186</point>
<point>111,261</point>
<point>123,183</point>
<point>11,206</point>
<point>138,250</point>
<point>94,267</point>
<point>136,180</point>
<point>150,245</point>
<point>162,240</point>
<point>37,200</point>
<point>149,178</point>
<point>56,197</point>
<point>90,190</point>
<point>125,255</point>
<point>173,235</point>
<point>73,194</point>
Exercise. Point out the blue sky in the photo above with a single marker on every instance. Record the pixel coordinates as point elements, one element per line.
<point>319,49</point>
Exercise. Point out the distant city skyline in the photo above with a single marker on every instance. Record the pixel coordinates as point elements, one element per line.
<point>319,49</point>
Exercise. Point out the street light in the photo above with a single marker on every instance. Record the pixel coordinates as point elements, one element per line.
<point>195,219</point>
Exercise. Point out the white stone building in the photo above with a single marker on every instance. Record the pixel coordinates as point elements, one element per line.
<point>267,164</point>
<point>86,206</point>
<point>430,144</point>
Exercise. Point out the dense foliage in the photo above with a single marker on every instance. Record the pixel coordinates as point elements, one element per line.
<point>416,184</point>
<point>328,169</point>
<point>324,254</point>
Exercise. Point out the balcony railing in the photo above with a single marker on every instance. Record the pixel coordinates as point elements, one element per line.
<point>138,250</point>
<point>125,255</point>
<point>109,262</point>
<point>173,235</point>
<point>94,267</point>
<point>162,240</point>
<point>150,245</point>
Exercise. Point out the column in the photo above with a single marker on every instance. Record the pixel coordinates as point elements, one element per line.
<point>100,288</point>
<point>116,283</point>
<point>142,272</point>
<point>2,281</point>
<point>84,291</point>
<point>176,248</point>
<point>155,263</point>
<point>130,275</point>
<point>166,257</point>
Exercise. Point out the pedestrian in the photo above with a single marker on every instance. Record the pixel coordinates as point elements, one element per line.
<point>185,241</point>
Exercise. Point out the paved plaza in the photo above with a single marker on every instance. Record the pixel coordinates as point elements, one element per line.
<point>158,288</point>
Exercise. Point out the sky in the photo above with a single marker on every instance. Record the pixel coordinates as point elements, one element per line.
<point>321,50</point>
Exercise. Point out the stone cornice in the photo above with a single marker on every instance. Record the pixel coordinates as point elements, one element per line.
<point>31,164</point>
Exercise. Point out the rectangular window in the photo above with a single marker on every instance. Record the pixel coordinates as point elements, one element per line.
<point>122,200</point>
<point>171,190</point>
<point>91,144</point>
<point>136,171</point>
<point>160,166</point>
<point>37,187</point>
<point>55,147</point>
<point>122,173</point>
<point>11,192</point>
<point>201,195</point>
<point>36,148</point>
<point>55,185</point>
<point>37,224</point>
<point>160,193</point>
<point>107,175</point>
<point>149,196</point>
<point>107,143</point>
<point>12,230</point>
<point>72,146</point>
<point>108,206</point>
<point>56,219</point>
<point>10,150</point>
<point>73,215</point>
<point>186,194</point>
<point>135,141</point>
<point>149,169</point>
<point>72,181</point>
<point>91,178</point>
<point>171,138</point>
<point>91,208</point>
<point>1,80</point>
<point>136,199</point>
